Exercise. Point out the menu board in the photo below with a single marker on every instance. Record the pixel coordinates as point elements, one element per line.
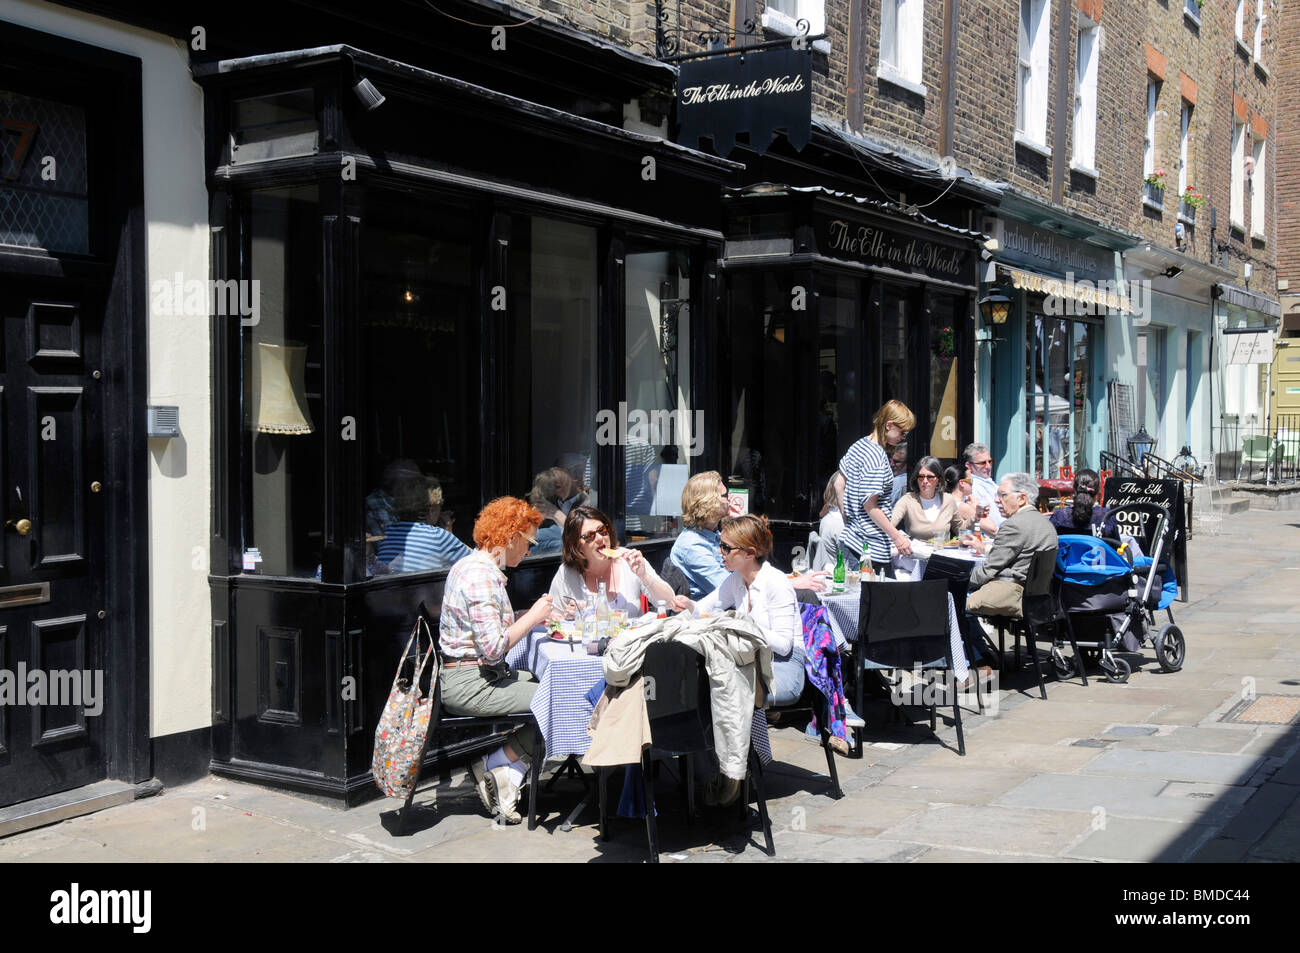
<point>1122,490</point>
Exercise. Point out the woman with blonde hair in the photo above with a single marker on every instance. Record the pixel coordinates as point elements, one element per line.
<point>695,551</point>
<point>476,628</point>
<point>863,487</point>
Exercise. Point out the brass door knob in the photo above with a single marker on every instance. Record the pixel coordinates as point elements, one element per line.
<point>23,526</point>
<point>96,487</point>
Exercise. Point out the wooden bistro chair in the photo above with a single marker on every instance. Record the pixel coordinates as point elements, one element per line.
<point>904,625</point>
<point>492,725</point>
<point>681,726</point>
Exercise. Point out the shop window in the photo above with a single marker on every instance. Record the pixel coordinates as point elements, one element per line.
<point>553,293</point>
<point>283,384</point>
<point>419,331</point>
<point>839,377</point>
<point>760,418</point>
<point>1058,354</point>
<point>37,210</point>
<point>897,313</point>
<point>664,431</point>
<point>902,35</point>
<point>946,313</point>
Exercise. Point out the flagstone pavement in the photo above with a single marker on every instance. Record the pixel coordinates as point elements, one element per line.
<point>1163,768</point>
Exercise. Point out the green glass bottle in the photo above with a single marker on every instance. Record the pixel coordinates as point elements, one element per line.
<point>838,576</point>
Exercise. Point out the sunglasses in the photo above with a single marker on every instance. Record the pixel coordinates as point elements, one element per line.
<point>532,541</point>
<point>926,476</point>
<point>728,550</point>
<point>588,537</point>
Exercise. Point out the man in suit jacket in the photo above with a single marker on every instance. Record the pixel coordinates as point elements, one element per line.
<point>999,581</point>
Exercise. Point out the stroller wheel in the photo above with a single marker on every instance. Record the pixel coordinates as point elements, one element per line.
<point>1116,669</point>
<point>1064,666</point>
<point>1171,648</point>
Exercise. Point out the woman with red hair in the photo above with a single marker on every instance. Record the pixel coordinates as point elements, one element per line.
<point>477,627</point>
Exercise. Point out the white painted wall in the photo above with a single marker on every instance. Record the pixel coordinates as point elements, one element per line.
<point>176,212</point>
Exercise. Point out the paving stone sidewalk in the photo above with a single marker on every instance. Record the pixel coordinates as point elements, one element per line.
<point>1200,765</point>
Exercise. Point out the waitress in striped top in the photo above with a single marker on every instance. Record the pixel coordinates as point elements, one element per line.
<point>863,485</point>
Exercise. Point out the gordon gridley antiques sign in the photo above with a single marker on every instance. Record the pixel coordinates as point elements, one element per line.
<point>756,93</point>
<point>890,244</point>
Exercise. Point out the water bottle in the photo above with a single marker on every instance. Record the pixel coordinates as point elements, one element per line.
<point>602,614</point>
<point>838,576</point>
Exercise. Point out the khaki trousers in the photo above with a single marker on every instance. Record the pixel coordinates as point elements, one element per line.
<point>466,692</point>
<point>996,597</point>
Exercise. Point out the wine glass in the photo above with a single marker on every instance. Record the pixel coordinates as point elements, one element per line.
<point>800,563</point>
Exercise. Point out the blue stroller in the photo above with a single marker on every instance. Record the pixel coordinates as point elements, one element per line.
<point>1112,603</point>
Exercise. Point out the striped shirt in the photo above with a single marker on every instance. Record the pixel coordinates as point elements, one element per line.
<point>867,473</point>
<point>415,547</point>
<point>475,610</point>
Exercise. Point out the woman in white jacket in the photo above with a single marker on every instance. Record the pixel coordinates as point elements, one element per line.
<point>766,595</point>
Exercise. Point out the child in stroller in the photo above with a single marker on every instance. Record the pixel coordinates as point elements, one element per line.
<point>1112,603</point>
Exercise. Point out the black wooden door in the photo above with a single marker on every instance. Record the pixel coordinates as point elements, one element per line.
<point>53,609</point>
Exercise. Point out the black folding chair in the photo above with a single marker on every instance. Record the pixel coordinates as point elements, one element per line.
<point>675,578</point>
<point>495,724</point>
<point>681,726</point>
<point>1042,620</point>
<point>904,625</point>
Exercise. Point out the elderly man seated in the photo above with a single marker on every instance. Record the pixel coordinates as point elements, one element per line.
<point>999,581</point>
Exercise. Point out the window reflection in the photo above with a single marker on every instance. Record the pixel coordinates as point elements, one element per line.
<point>839,385</point>
<point>944,312</point>
<point>283,528</point>
<point>421,375</point>
<point>663,431</point>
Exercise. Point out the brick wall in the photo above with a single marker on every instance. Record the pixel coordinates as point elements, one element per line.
<point>1286,75</point>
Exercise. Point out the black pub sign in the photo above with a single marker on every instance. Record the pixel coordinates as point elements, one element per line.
<point>893,243</point>
<point>756,93</point>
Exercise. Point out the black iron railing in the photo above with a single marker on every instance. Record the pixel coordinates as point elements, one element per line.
<point>1252,451</point>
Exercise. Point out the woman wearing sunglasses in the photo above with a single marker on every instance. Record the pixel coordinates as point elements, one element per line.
<point>476,628</point>
<point>588,539</point>
<point>765,594</point>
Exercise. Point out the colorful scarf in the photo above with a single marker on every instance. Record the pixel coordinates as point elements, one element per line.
<point>822,666</point>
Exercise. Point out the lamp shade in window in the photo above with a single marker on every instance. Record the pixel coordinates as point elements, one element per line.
<point>279,395</point>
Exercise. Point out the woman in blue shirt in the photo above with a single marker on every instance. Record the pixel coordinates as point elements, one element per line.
<point>695,551</point>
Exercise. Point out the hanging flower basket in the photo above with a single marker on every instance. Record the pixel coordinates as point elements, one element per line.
<point>1193,198</point>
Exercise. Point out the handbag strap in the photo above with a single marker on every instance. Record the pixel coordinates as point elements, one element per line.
<point>420,625</point>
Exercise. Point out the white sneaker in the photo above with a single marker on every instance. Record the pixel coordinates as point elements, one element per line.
<point>504,793</point>
<point>479,774</point>
<point>851,718</point>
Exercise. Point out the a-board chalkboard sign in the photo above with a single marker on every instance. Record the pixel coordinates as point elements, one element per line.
<point>1167,493</point>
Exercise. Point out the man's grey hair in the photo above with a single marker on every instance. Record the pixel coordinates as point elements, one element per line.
<point>971,449</point>
<point>1023,483</point>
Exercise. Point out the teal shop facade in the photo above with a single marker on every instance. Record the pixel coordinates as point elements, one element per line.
<point>1042,376</point>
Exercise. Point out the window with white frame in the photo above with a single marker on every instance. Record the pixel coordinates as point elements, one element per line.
<point>1149,140</point>
<point>1184,127</point>
<point>1031,105</point>
<point>1258,185</point>
<point>782,16</point>
<point>1237,210</point>
<point>902,30</point>
<point>1240,23</point>
<point>1193,8</point>
<point>1260,17</point>
<point>1085,96</point>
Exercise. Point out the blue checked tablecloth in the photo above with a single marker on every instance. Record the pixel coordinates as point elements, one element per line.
<point>843,612</point>
<point>564,676</point>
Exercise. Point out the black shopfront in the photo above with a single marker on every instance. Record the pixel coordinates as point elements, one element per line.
<point>460,279</point>
<point>834,305</point>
